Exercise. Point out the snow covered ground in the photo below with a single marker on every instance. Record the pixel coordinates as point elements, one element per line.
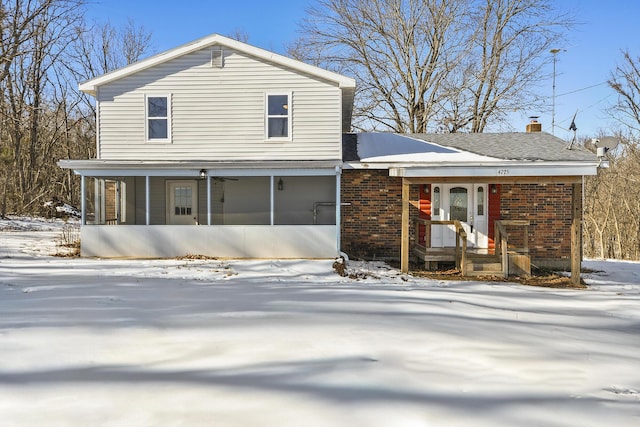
<point>88,342</point>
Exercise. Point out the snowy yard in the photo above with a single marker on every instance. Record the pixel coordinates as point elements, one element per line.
<point>87,342</point>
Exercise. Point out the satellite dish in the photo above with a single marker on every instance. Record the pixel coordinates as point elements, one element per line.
<point>608,142</point>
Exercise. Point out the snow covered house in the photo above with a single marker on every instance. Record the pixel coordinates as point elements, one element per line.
<point>223,149</point>
<point>216,148</point>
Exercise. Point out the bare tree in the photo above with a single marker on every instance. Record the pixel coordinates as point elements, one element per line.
<point>434,65</point>
<point>612,208</point>
<point>135,42</point>
<point>16,29</point>
<point>625,81</point>
<point>45,50</point>
<point>34,33</point>
<point>240,35</point>
<point>510,46</point>
<point>101,48</point>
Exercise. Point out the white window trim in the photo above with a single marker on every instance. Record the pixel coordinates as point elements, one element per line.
<point>168,139</point>
<point>289,95</point>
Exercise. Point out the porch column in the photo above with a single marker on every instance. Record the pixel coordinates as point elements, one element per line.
<point>208,199</point>
<point>271,203</point>
<point>404,251</point>
<point>83,202</point>
<point>576,233</point>
<point>147,200</point>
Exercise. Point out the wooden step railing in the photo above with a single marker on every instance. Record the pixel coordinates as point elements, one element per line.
<point>461,238</point>
<point>502,242</point>
<point>502,248</point>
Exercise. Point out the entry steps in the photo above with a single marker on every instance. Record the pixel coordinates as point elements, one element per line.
<point>478,261</point>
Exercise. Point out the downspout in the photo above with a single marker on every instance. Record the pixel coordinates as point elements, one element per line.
<point>208,199</point>
<point>271,203</point>
<point>147,200</point>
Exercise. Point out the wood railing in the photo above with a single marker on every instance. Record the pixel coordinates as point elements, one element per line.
<point>502,248</point>
<point>461,238</point>
<point>502,241</point>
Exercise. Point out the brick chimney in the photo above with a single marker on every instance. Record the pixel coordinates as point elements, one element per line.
<point>534,125</point>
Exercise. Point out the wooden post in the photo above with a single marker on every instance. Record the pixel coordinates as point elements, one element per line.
<point>576,233</point>
<point>504,254</point>
<point>404,255</point>
<point>463,257</point>
<point>458,265</point>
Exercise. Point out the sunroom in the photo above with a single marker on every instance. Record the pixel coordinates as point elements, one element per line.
<point>147,209</point>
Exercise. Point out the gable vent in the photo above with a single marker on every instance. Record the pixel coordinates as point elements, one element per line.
<point>217,58</point>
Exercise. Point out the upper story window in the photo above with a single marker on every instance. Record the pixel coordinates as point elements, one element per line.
<point>278,120</point>
<point>158,118</point>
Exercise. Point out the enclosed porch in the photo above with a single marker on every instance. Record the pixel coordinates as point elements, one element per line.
<point>198,209</point>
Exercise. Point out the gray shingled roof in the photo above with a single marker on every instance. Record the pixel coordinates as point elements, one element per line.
<point>511,146</point>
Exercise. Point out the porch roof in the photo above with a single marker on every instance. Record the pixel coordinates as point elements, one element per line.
<point>100,167</point>
<point>458,155</point>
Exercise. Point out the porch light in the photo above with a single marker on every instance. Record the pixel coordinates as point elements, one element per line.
<point>203,174</point>
<point>425,189</point>
<point>494,189</point>
<point>280,185</point>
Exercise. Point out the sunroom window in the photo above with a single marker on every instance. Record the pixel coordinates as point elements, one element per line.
<point>158,109</point>
<point>278,118</point>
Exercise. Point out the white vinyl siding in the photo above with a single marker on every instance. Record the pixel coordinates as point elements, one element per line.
<point>219,113</point>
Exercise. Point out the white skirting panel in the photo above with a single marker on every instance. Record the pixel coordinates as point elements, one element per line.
<point>228,241</point>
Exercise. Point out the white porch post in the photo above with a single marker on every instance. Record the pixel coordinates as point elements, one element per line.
<point>83,202</point>
<point>271,199</point>
<point>147,200</point>
<point>208,199</point>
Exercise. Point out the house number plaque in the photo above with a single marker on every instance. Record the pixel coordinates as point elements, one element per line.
<point>503,172</point>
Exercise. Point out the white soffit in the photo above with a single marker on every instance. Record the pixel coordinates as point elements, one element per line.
<point>503,169</point>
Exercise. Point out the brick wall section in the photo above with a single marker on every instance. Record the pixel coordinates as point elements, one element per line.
<point>548,208</point>
<point>372,223</point>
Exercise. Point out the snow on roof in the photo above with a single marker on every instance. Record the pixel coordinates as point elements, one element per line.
<point>389,147</point>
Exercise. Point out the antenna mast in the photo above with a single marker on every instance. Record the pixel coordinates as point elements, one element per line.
<point>553,97</point>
